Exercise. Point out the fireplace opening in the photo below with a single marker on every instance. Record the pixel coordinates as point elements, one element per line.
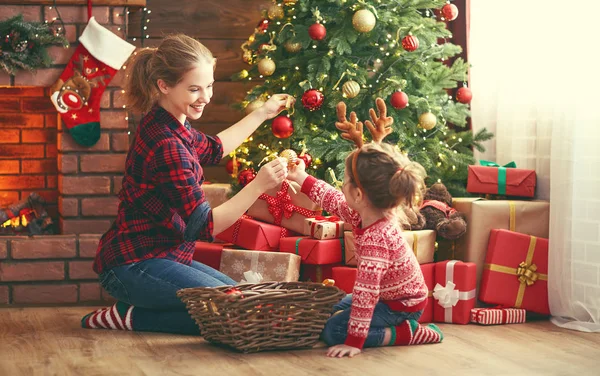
<point>27,217</point>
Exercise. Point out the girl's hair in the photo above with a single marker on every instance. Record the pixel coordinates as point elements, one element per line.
<point>388,177</point>
<point>176,55</point>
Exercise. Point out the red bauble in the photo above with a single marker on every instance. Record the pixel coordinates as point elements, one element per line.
<point>450,12</point>
<point>317,31</point>
<point>399,100</point>
<point>229,166</point>
<point>464,95</point>
<point>263,25</point>
<point>246,177</point>
<point>282,127</point>
<point>410,43</point>
<point>312,99</point>
<point>307,158</point>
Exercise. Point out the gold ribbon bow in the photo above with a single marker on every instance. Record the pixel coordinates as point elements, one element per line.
<point>527,273</point>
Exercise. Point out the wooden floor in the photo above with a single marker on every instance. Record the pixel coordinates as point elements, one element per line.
<point>49,341</point>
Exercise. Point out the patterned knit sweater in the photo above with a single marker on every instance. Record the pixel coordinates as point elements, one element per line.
<point>388,271</point>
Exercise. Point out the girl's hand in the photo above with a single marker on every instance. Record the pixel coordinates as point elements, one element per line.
<point>340,351</point>
<point>297,172</point>
<point>276,104</point>
<point>272,174</point>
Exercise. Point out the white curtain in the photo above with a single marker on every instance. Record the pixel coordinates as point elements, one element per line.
<point>536,86</point>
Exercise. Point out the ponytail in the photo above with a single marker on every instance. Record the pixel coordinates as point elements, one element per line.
<point>141,91</point>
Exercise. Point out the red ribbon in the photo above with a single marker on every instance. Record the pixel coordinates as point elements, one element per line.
<point>320,219</point>
<point>439,205</point>
<point>89,9</point>
<point>281,205</point>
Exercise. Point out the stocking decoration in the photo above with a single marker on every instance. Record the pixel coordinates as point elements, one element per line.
<point>77,93</point>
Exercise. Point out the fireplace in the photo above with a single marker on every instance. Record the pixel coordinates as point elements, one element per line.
<point>56,197</point>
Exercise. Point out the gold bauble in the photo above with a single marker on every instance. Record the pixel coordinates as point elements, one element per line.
<point>351,89</point>
<point>427,120</point>
<point>266,66</point>
<point>290,155</point>
<point>292,47</point>
<point>363,21</point>
<point>275,12</point>
<point>255,104</point>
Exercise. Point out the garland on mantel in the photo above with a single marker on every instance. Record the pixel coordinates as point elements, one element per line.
<point>23,45</point>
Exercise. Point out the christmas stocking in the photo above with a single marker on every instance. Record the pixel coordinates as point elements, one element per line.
<point>77,93</point>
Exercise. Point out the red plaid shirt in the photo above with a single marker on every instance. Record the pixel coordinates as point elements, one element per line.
<point>161,196</point>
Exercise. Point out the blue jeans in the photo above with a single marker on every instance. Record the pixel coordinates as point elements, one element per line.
<point>336,328</point>
<point>151,286</point>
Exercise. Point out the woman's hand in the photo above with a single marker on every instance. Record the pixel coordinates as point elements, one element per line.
<point>276,104</point>
<point>272,174</point>
<point>340,351</point>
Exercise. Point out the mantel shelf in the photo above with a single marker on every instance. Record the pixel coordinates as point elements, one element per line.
<point>116,3</point>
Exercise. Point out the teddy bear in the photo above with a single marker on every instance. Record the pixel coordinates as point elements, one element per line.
<point>439,215</point>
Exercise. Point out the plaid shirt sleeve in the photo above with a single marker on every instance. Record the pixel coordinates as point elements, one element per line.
<point>208,148</point>
<point>174,173</point>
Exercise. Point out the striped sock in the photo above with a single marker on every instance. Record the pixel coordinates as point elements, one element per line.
<point>410,332</point>
<point>117,316</point>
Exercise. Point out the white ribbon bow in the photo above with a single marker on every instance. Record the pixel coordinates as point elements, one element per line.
<point>447,296</point>
<point>252,277</point>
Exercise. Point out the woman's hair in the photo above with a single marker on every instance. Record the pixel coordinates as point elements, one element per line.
<point>176,55</point>
<point>387,177</point>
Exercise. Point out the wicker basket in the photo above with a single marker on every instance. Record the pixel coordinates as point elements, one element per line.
<point>263,316</point>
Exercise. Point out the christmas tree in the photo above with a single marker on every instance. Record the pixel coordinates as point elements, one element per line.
<point>326,51</point>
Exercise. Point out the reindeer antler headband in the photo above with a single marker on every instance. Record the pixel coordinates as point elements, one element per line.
<point>352,130</point>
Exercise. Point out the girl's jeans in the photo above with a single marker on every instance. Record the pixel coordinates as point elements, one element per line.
<point>336,328</point>
<point>151,286</point>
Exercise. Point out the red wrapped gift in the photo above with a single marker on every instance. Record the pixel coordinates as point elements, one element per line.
<point>251,234</point>
<point>210,253</point>
<point>454,291</point>
<point>493,179</point>
<point>344,277</point>
<point>515,273</point>
<point>314,251</point>
<point>428,271</point>
<point>494,316</point>
<point>316,273</point>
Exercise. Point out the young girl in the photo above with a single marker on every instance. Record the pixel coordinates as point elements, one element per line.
<point>146,256</point>
<point>390,293</point>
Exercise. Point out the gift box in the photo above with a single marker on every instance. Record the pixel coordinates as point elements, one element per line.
<point>216,194</point>
<point>210,253</point>
<point>454,292</point>
<point>248,233</point>
<point>428,271</point>
<point>344,277</point>
<point>284,208</point>
<point>324,227</point>
<point>515,273</point>
<point>316,273</point>
<point>455,249</point>
<point>507,180</point>
<point>257,266</point>
<point>526,217</point>
<point>495,316</point>
<point>314,251</point>
<point>421,242</point>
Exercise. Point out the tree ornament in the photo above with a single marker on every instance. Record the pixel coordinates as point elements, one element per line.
<point>350,89</point>
<point>410,43</point>
<point>266,66</point>
<point>317,31</point>
<point>427,120</point>
<point>290,155</point>
<point>307,158</point>
<point>282,127</point>
<point>247,57</point>
<point>263,25</point>
<point>450,12</point>
<point>292,47</point>
<point>229,166</point>
<point>464,95</point>
<point>255,104</point>
<point>290,2</point>
<point>312,99</point>
<point>246,176</point>
<point>399,100</point>
<point>363,21</point>
<point>275,12</point>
